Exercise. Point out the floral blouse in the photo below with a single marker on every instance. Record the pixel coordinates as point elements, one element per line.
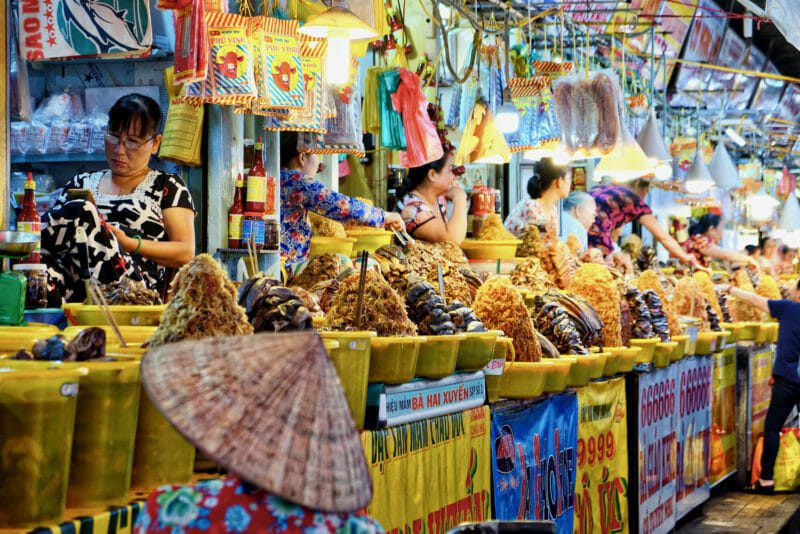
<point>231,505</point>
<point>616,207</point>
<point>416,212</point>
<point>696,245</point>
<point>527,212</point>
<point>301,194</point>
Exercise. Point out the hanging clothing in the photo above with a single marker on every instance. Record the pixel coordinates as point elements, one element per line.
<point>422,141</point>
<point>371,116</point>
<point>391,122</point>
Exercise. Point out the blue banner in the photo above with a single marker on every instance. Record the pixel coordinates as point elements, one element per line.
<point>534,461</point>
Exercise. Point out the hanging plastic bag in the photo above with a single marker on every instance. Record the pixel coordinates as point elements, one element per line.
<point>280,69</point>
<point>422,141</point>
<point>787,463</point>
<point>481,141</point>
<point>392,130</point>
<point>19,137</point>
<point>183,129</point>
<point>371,114</point>
<point>525,97</point>
<point>20,90</point>
<point>191,60</point>
<point>785,14</point>
<point>230,77</point>
<point>308,119</point>
<point>454,112</point>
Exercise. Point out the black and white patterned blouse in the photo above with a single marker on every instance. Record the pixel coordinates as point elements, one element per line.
<point>138,213</point>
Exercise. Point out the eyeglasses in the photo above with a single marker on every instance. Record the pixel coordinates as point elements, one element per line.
<point>129,144</point>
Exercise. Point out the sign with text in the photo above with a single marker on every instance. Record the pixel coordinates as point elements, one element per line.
<point>601,487</point>
<point>534,461</point>
<point>430,475</point>
<point>723,415</point>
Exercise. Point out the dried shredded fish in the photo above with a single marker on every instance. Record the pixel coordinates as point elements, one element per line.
<point>594,283</point>
<point>501,307</point>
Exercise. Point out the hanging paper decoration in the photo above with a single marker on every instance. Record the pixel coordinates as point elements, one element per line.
<point>230,79</point>
<point>308,119</point>
<point>58,29</point>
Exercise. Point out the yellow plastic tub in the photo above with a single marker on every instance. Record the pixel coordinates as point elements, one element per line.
<point>763,333</point>
<point>330,345</point>
<point>612,362</point>
<point>773,336</point>
<point>707,343</point>
<point>132,335</point>
<point>749,331</point>
<point>524,380</point>
<point>579,371</point>
<point>681,347</point>
<point>14,338</point>
<point>648,347</point>
<point>629,357</point>
<point>37,418</point>
<point>476,350</point>
<point>503,349</point>
<point>736,330</point>
<point>490,250</point>
<point>85,314</point>
<point>598,364</point>
<point>438,356</point>
<point>369,240</point>
<point>663,353</point>
<point>394,359</point>
<point>331,245</point>
<point>557,373</point>
<point>352,360</point>
<point>105,433</point>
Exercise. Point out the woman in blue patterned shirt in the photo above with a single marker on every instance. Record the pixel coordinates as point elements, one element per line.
<point>301,193</point>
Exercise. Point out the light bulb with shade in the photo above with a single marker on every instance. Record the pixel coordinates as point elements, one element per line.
<point>762,206</point>
<point>338,60</point>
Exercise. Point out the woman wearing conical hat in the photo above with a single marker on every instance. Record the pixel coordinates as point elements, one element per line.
<point>270,410</point>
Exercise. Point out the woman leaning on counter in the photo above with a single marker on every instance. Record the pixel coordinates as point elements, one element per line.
<point>139,222</point>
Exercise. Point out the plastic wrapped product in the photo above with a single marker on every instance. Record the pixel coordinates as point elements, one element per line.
<point>19,137</point>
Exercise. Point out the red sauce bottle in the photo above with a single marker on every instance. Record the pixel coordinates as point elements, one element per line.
<point>256,201</point>
<point>236,214</point>
<point>29,220</point>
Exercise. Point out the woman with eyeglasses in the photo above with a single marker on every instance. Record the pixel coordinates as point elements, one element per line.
<point>301,193</point>
<point>138,221</point>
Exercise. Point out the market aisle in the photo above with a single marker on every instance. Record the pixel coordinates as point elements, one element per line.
<point>745,512</point>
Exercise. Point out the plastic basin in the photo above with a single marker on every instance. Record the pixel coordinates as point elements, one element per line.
<point>524,380</point>
<point>579,372</point>
<point>394,359</point>
<point>476,350</point>
<point>352,360</point>
<point>612,363</point>
<point>557,374</point>
<point>736,330</point>
<point>681,347</point>
<point>629,357</point>
<point>437,357</point>
<point>84,314</point>
<point>51,316</point>
<point>773,337</point>
<point>706,343</point>
<point>369,240</point>
<point>14,338</point>
<point>331,245</point>
<point>490,250</point>
<point>662,356</point>
<point>763,333</point>
<point>132,335</point>
<point>503,349</point>
<point>749,331</point>
<point>37,418</point>
<point>648,347</point>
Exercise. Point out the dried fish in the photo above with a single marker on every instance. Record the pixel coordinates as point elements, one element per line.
<point>501,307</point>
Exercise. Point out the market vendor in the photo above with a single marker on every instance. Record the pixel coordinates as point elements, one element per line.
<point>788,259</point>
<point>549,184</point>
<point>769,254</point>
<point>423,202</point>
<point>705,235</point>
<point>301,193</point>
<point>580,211</point>
<point>620,204</point>
<point>785,381</point>
<point>138,221</point>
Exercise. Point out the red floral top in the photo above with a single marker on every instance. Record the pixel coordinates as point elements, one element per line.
<point>231,505</point>
<point>416,212</point>
<point>616,207</point>
<point>696,245</point>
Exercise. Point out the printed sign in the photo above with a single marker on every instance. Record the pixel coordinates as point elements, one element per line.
<point>430,475</point>
<point>601,487</point>
<point>723,415</point>
<point>656,419</point>
<point>703,44</point>
<point>769,91</point>
<point>51,29</point>
<point>693,395</point>
<point>760,393</point>
<point>533,461</point>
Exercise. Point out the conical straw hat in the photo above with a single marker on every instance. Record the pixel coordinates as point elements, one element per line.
<point>270,409</point>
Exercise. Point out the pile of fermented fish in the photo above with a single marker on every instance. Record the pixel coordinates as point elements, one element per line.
<point>657,314</point>
<point>641,320</point>
<point>271,307</point>
<point>427,309</point>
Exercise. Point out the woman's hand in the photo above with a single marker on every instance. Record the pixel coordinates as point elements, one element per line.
<point>127,244</point>
<point>456,192</point>
<point>393,221</point>
<point>754,263</point>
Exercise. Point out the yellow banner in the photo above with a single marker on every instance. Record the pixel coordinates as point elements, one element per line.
<point>601,485</point>
<point>430,476</point>
<point>723,415</point>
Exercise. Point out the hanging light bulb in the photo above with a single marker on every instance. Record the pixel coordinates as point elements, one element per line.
<point>698,180</point>
<point>340,26</point>
<point>507,118</point>
<point>652,142</point>
<point>723,169</point>
<point>626,162</point>
<point>761,205</point>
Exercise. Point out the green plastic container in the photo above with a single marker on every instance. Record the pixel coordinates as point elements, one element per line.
<point>394,359</point>
<point>105,433</point>
<point>438,356</point>
<point>37,418</point>
<point>477,350</point>
<point>351,360</point>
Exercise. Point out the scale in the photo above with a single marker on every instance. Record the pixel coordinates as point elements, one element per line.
<point>13,285</point>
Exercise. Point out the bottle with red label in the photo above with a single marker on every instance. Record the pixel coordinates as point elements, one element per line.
<point>29,220</point>
<point>256,201</point>
<point>236,214</point>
